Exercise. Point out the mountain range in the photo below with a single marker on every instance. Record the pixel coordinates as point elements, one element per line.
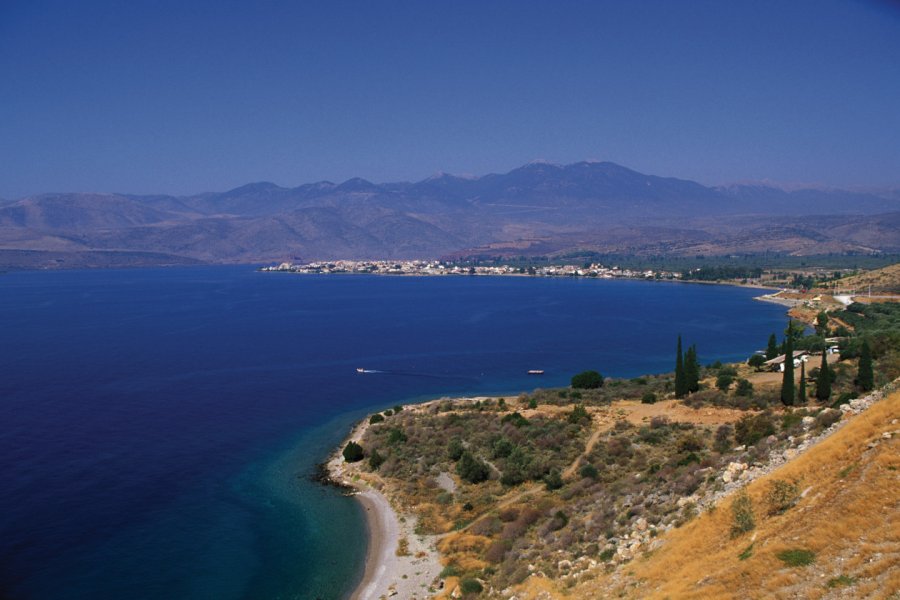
<point>537,209</point>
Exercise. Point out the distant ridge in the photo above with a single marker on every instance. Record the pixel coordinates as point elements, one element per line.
<point>539,208</point>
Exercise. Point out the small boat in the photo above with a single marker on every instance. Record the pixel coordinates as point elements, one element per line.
<point>360,370</point>
<point>536,372</point>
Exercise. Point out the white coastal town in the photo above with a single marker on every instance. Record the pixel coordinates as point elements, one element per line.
<point>435,267</point>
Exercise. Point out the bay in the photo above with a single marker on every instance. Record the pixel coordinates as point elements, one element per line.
<point>158,427</point>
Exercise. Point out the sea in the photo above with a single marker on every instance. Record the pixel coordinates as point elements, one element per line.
<point>159,428</point>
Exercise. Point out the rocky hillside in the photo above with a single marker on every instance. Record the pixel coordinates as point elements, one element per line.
<point>620,488</point>
<point>539,208</point>
<point>879,281</point>
<point>826,525</point>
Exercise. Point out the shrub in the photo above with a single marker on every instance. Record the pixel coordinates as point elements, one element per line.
<point>744,388</point>
<point>518,464</point>
<point>558,521</point>
<point>724,381</point>
<point>650,436</point>
<point>781,496</point>
<point>797,557</point>
<point>389,413</point>
<point>588,470</point>
<point>578,415</point>
<point>515,418</point>
<point>587,380</point>
<point>470,586</point>
<point>742,513</point>
<point>396,436</point>
<point>508,515</point>
<point>757,361</point>
<point>450,570</point>
<point>496,551</point>
<point>553,480</point>
<point>502,448</point>
<point>751,429</point>
<point>690,457</point>
<point>532,403</point>
<point>455,449</point>
<point>746,553</point>
<point>690,443</point>
<point>722,440</point>
<point>659,422</point>
<point>375,460</point>
<point>471,469</point>
<point>607,554</point>
<point>398,408</point>
<point>353,452</point>
<point>376,418</point>
<point>791,419</point>
<point>648,398</point>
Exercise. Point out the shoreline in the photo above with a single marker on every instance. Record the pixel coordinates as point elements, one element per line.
<point>389,571</point>
<point>415,574</point>
<point>383,533</point>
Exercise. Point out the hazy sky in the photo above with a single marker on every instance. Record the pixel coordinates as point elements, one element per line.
<point>181,97</point>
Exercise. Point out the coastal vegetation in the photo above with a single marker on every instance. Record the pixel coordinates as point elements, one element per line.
<point>353,452</point>
<point>587,380</point>
<point>558,484</point>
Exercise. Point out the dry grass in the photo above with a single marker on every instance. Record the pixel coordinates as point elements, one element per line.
<point>464,550</point>
<point>881,280</point>
<point>641,414</point>
<point>851,523</point>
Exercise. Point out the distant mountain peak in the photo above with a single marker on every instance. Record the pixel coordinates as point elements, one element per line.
<point>256,187</point>
<point>357,184</point>
<point>539,164</point>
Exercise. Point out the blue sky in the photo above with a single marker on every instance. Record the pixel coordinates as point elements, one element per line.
<point>183,97</point>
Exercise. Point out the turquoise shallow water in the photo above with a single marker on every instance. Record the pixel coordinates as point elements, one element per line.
<point>159,426</point>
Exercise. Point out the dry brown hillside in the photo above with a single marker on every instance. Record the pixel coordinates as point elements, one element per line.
<point>886,280</point>
<point>846,526</point>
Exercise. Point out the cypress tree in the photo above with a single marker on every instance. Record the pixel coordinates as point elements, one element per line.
<point>801,391</point>
<point>823,381</point>
<point>787,383</point>
<point>691,370</point>
<point>822,324</point>
<point>865,379</point>
<point>772,348</point>
<point>680,388</point>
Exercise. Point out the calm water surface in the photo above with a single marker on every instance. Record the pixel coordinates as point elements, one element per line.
<point>158,427</point>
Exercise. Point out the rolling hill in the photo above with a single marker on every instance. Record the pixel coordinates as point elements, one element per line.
<point>539,208</point>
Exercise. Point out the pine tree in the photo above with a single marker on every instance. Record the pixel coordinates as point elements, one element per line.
<point>772,348</point>
<point>787,383</point>
<point>680,387</point>
<point>823,381</point>
<point>801,391</point>
<point>865,379</point>
<point>691,370</point>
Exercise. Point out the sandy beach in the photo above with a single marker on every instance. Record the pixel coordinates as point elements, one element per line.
<point>413,575</point>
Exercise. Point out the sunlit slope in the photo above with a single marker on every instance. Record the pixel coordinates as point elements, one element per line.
<point>848,517</point>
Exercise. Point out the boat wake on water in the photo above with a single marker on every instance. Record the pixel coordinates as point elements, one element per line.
<point>362,371</point>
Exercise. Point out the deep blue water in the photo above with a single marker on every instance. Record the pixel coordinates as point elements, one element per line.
<point>157,427</point>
